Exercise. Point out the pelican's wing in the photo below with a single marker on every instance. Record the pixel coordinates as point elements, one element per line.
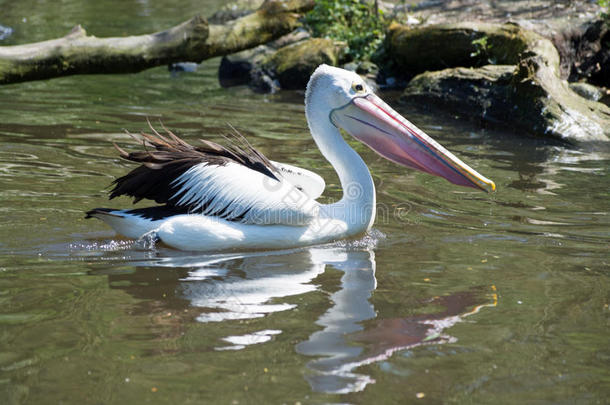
<point>305,180</point>
<point>235,182</point>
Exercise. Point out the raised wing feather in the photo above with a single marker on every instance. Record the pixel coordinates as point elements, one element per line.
<point>235,182</point>
<point>305,180</point>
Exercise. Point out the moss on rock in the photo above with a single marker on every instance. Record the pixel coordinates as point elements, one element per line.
<point>524,98</point>
<point>294,64</point>
<point>468,44</point>
<point>521,90</point>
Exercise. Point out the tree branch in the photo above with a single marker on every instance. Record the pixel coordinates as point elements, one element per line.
<point>194,41</point>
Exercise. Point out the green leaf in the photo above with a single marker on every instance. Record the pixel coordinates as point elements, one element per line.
<point>350,21</point>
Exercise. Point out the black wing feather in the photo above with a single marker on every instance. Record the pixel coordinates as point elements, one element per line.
<point>165,158</point>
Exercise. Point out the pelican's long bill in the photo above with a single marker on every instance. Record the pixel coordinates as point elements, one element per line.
<point>376,124</point>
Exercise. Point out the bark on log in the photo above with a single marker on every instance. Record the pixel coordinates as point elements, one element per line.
<point>192,41</point>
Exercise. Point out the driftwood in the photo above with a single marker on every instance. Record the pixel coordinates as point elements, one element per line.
<point>192,41</point>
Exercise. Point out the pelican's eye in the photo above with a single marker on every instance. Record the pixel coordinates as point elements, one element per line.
<point>358,87</point>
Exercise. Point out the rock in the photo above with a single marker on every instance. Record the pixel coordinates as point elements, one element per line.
<point>390,82</point>
<point>499,11</point>
<point>572,26</point>
<point>592,59</point>
<point>294,64</point>
<point>549,107</point>
<point>587,91</point>
<point>469,44</point>
<point>528,94</point>
<point>477,93</point>
<point>262,82</point>
<point>246,67</point>
<point>236,69</point>
<point>526,98</point>
<point>368,70</point>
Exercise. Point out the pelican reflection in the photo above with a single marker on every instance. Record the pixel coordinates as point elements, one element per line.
<point>225,288</point>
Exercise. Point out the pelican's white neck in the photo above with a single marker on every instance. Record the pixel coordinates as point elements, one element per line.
<point>357,206</point>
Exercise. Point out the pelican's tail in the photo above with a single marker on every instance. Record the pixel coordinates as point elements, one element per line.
<point>133,223</point>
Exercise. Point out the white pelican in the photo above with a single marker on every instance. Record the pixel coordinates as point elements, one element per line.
<point>231,197</point>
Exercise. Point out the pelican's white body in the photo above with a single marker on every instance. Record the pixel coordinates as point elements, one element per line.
<point>198,232</point>
<point>353,215</point>
<point>263,212</point>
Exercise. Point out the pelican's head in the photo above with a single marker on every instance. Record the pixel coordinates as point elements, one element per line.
<point>355,108</point>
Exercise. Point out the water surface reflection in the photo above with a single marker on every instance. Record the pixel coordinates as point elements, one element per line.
<point>232,287</point>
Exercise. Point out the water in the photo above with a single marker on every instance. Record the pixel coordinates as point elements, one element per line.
<point>456,296</point>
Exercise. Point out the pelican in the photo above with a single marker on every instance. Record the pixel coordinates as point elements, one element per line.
<point>219,198</point>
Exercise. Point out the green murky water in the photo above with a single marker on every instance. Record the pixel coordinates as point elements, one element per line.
<point>456,297</point>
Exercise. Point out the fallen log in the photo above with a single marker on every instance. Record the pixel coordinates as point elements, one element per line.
<point>192,41</point>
